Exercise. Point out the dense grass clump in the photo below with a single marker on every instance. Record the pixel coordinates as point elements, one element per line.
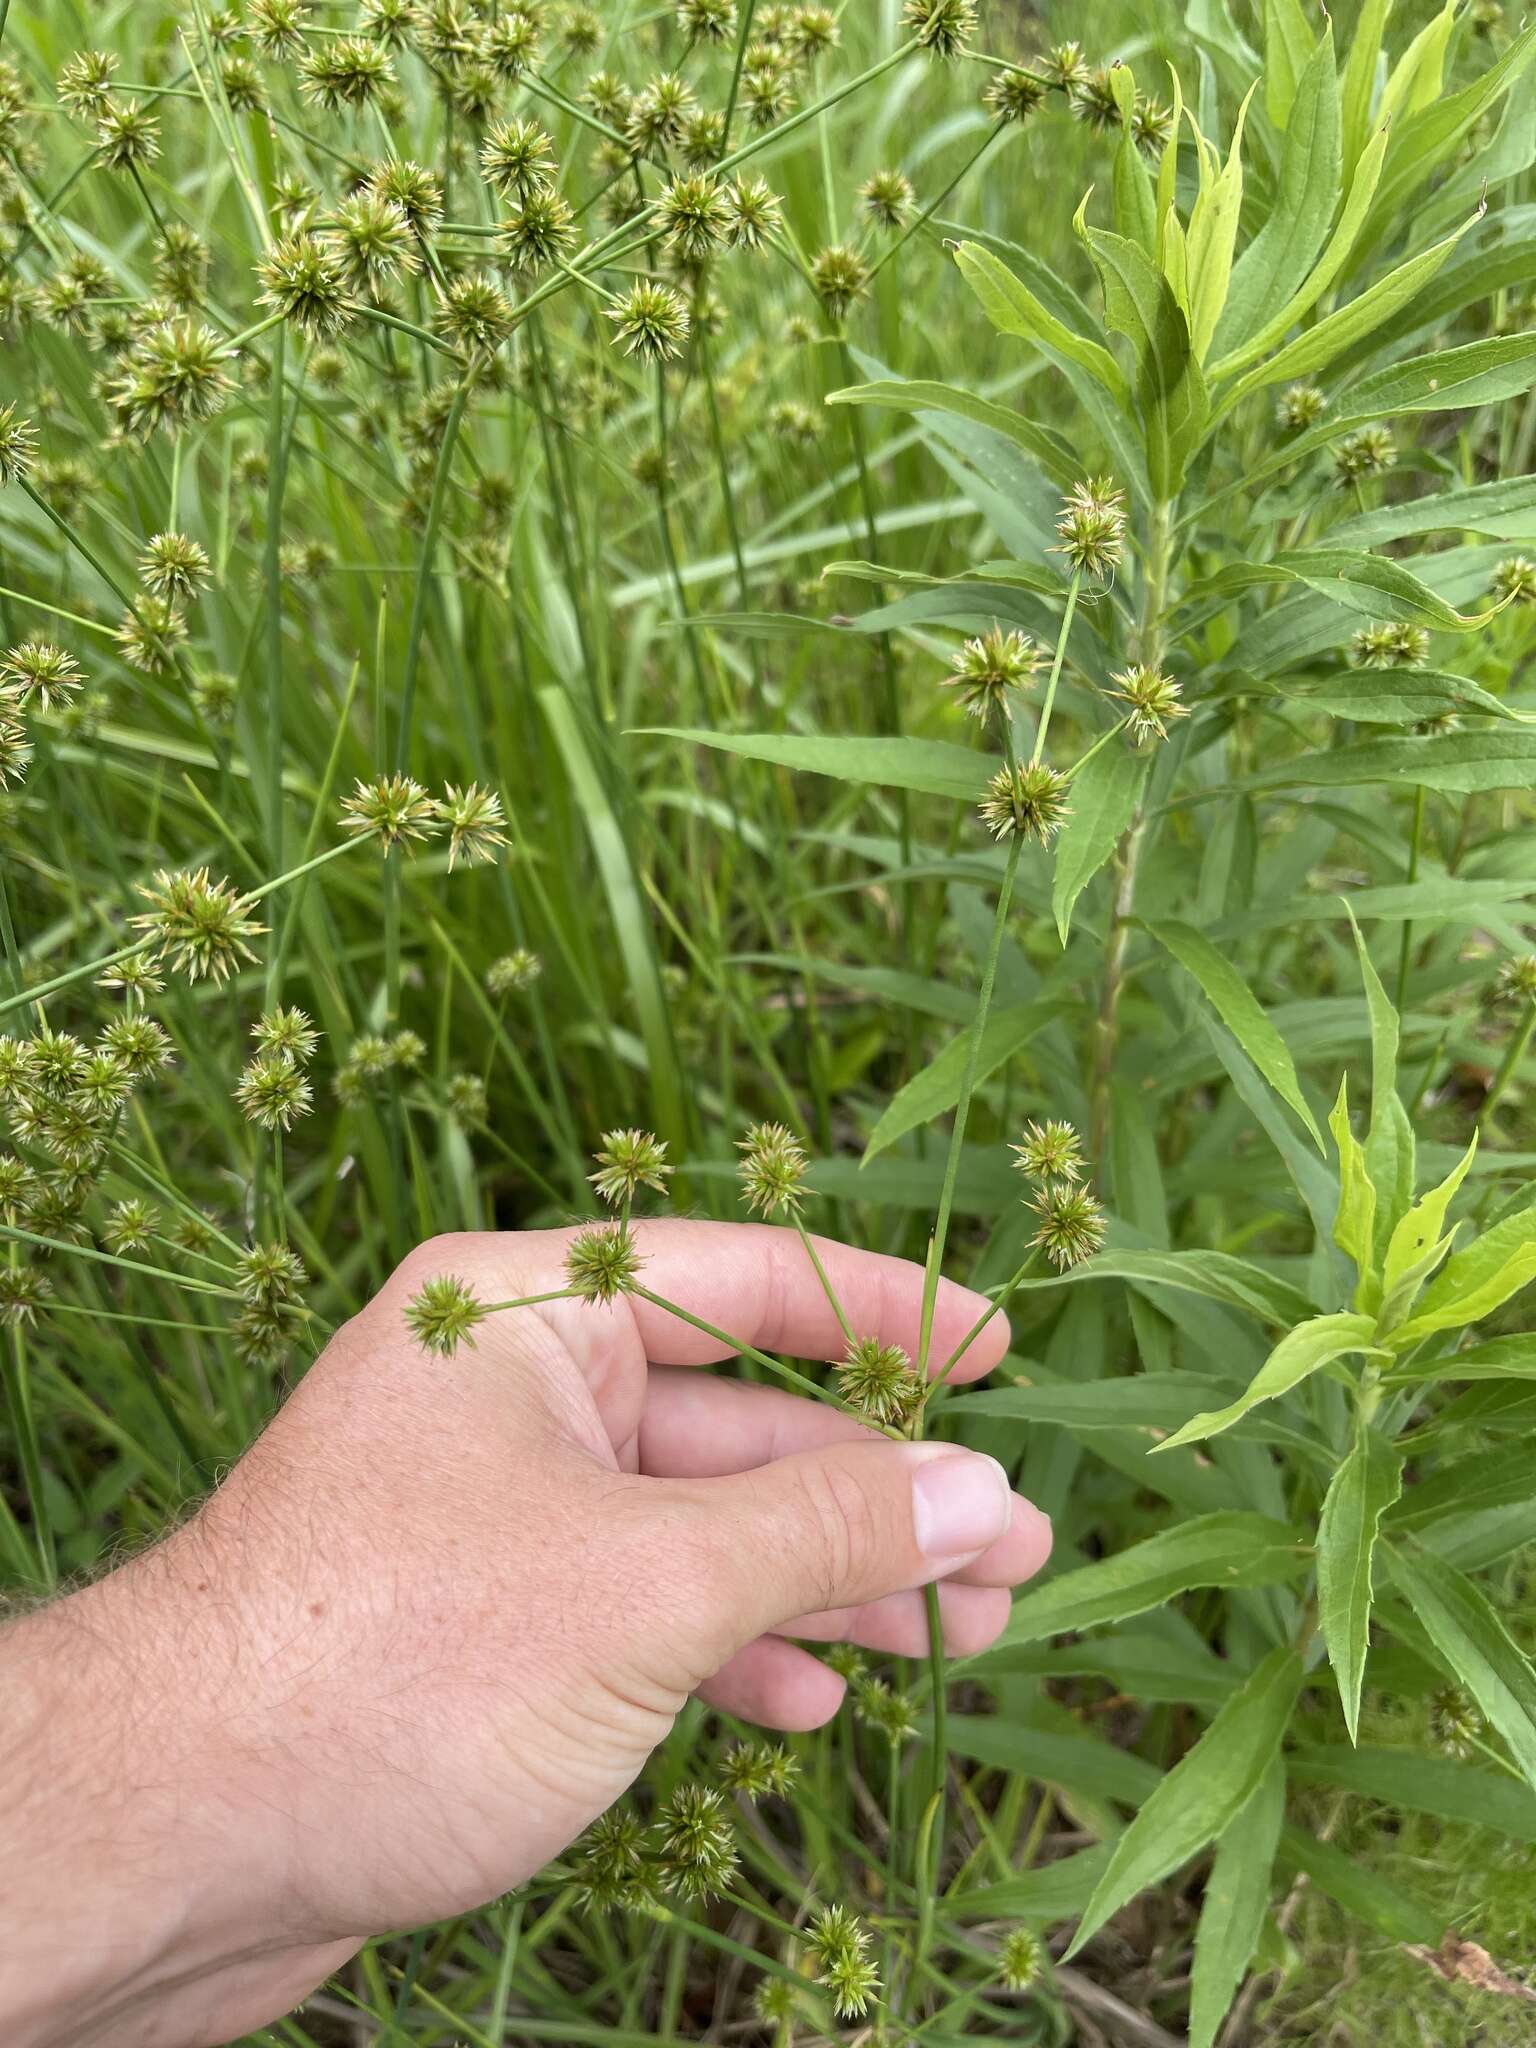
<point>911,620</point>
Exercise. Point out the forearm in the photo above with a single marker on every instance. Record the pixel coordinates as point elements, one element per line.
<point>138,1872</point>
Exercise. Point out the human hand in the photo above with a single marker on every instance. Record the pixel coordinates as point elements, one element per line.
<point>434,1621</point>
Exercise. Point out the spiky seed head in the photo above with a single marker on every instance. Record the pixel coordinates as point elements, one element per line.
<point>269,1273</point>
<point>181,263</point>
<point>16,1179</point>
<point>510,47</point>
<point>611,1869</point>
<point>517,157</point>
<point>172,377</point>
<point>1014,94</point>
<point>135,977</point>
<point>1298,407</point>
<point>1071,1225</point>
<point>84,84</point>
<point>1091,524</point>
<point>1456,1724</point>
<point>1152,699</point>
<point>473,817</point>
<point>1390,644</point>
<point>887,198</point>
<point>1065,66</point>
<point>344,71</point>
<point>991,665</point>
<point>540,230</point>
<point>694,216</point>
<point>37,675</point>
<point>581,30</point>
<point>943,27</point>
<point>810,33</point>
<point>143,1046</point>
<point>839,275</point>
<point>840,1943</point>
<point>174,566</point>
<point>703,140</point>
<point>17,442</point>
<point>767,91</point>
<point>417,192</point>
<point>273,1091</point>
<point>277,26</point>
<point>127,136</point>
<point>1093,100</point>
<point>443,1314</point>
<point>55,1060</point>
<point>131,1225</point>
<point>1151,125</point>
<point>878,1381</point>
<point>1049,1152</point>
<point>394,808</point>
<point>893,1713</point>
<point>609,98</point>
<point>659,113</point>
<point>23,1292</point>
<point>1028,800</point>
<point>286,1032</point>
<point>15,749</point>
<point>373,241</point>
<point>697,1846</point>
<point>474,312</point>
<point>306,283</point>
<point>196,925</point>
<point>758,1770</point>
<point>602,1262</point>
<point>628,1161</point>
<point>651,321</point>
<point>244,87</point>
<point>709,21</point>
<point>150,634</point>
<point>1517,980</point>
<point>776,2002</point>
<point>1515,579</point>
<point>773,1168</point>
<point>1019,1959</point>
<point>1369,451</point>
<point>390,22</point>
<point>753,213</point>
<point>516,970</point>
<point>105,1082</point>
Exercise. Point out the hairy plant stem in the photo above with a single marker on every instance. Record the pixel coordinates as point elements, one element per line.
<point>1149,650</point>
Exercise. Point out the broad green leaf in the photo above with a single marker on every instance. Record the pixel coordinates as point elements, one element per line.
<point>1500,1358</point>
<point>1300,1353</point>
<point>1473,1484</point>
<point>1213,237</point>
<point>1339,248</point>
<point>1421,144</point>
<point>1459,762</point>
<point>1235,1549</point>
<point>1504,509</point>
<point>1287,52</point>
<point>1375,586</point>
<point>1392,696</point>
<point>1145,1400</point>
<point>1170,392</point>
<point>1397,1914</point>
<point>1416,78</point>
<point>1105,794</point>
<point>1233,1908</point>
<point>918,395</point>
<point>1389,1141</point>
<point>1239,1009</point>
<point>1080,1763</point>
<point>1277,261</point>
<point>1464,1793</point>
<point>931,767</point>
<point>1363,1488</point>
<point>1215,1275</point>
<point>1419,1231</point>
<point>1203,1793</point>
<point>880,984</point>
<point>1475,1643</point>
<point>1354,1227</point>
<point>1336,331</point>
<point>1135,201</point>
<point>1360,78</point>
<point>936,1089</point>
<point>1013,309</point>
<point>1476,1280</point>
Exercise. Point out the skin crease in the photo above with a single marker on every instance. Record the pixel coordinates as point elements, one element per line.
<point>437,1617</point>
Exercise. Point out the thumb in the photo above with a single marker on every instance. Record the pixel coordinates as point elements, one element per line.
<point>835,1527</point>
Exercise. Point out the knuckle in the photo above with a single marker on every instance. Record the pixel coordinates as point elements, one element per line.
<point>844,1527</point>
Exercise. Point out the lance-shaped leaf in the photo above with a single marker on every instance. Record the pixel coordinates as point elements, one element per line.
<point>1363,1488</point>
<point>1418,1235</point>
<point>1213,233</point>
<point>1232,1911</point>
<point>1354,1226</point>
<point>1225,1549</point>
<point>1240,1011</point>
<point>1013,309</point>
<point>919,395</point>
<point>1360,78</point>
<point>1203,1793</point>
<point>1475,1643</point>
<point>1104,798</point>
<point>1477,1280</point>
<point>1170,392</point>
<point>930,767</point>
<point>936,1087</point>
<point>1287,50</point>
<point>1300,1353</point>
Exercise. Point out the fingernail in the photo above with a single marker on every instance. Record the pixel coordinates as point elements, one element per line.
<point>961,1503</point>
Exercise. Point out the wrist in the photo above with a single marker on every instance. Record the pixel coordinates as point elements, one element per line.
<point>137,1888</point>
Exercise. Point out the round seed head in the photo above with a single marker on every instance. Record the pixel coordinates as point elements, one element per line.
<point>580,31</point>
<point>84,84</point>
<point>840,1944</point>
<point>273,1091</point>
<point>395,808</point>
<point>416,191</point>
<point>893,1713</point>
<point>878,1381</point>
<point>943,27</point>
<point>514,971</point>
<point>1151,125</point>
<point>1389,645</point>
<point>143,1046</point>
<point>444,1313</point>
<point>753,213</point>
<point>277,26</point>
<point>305,282</point>
<point>602,1262</point>
<point>1065,66</point>
<point>344,71</point>
<point>810,33</point>
<point>244,86</point>
<point>17,441</point>
<point>198,926</point>
<point>540,230</point>
<point>270,1274</point>
<point>628,1161</point>
<point>1093,99</point>
<point>1028,800</point>
<point>1071,1224</point>
<point>773,1167</point>
<point>697,1846</point>
<point>1515,579</point>
<point>181,262</point>
<point>1050,1152</point>
<point>758,1770</point>
<point>887,197</point>
<point>173,566</point>
<point>1456,1724</point>
<point>1152,698</point>
<point>610,99</point>
<point>474,312</point>
<point>1298,407</point>
<point>131,1225</point>
<point>15,749</point>
<point>767,91</point>
<point>611,1870</point>
<point>1368,452</point>
<point>1014,94</point>
<point>1019,1959</point>
<point>287,1032</point>
<point>694,216</point>
<point>150,634</point>
<point>1091,524</point>
<point>839,275</point>
<point>989,667</point>
<point>517,157</point>
<point>390,22</point>
<point>23,1292</point>
<point>659,114</point>
<point>511,46</point>
<point>709,21</point>
<point>172,377</point>
<point>474,820</point>
<point>36,676</point>
<point>1517,980</point>
<point>127,136</point>
<point>373,242</point>
<point>651,321</point>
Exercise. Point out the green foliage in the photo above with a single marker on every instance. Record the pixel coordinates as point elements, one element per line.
<point>504,565</point>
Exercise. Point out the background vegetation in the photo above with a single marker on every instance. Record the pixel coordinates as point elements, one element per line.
<point>454,520</point>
